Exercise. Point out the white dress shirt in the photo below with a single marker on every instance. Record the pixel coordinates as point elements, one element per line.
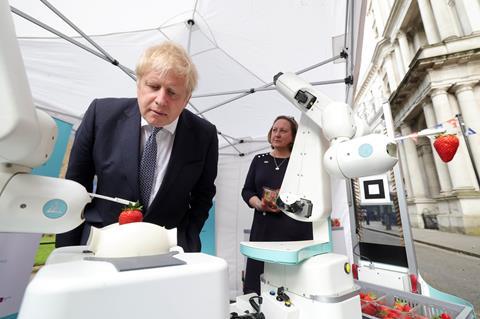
<point>165,139</point>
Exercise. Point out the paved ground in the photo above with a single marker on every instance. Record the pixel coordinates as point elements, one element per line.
<point>448,262</point>
<point>465,244</point>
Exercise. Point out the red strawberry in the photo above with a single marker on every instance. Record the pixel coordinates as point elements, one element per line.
<point>446,146</point>
<point>131,214</point>
<point>369,309</point>
<point>402,306</point>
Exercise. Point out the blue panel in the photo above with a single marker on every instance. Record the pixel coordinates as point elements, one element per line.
<point>54,164</point>
<point>285,257</point>
<point>365,150</point>
<point>207,235</point>
<point>12,316</point>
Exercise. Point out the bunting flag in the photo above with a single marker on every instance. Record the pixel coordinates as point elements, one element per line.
<point>451,126</point>
<point>470,131</point>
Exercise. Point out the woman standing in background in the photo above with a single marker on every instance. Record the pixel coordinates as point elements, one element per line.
<point>262,183</point>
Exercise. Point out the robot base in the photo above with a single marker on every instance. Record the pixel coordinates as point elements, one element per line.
<point>320,287</point>
<point>70,286</point>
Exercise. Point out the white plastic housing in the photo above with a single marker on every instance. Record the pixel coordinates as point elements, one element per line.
<point>362,127</point>
<point>319,286</point>
<point>364,156</point>
<point>322,275</point>
<point>131,240</point>
<point>305,177</point>
<point>40,204</point>
<point>48,137</point>
<point>19,131</point>
<point>80,289</point>
<point>288,84</point>
<point>337,121</point>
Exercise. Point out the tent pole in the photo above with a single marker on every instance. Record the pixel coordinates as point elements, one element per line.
<point>242,141</point>
<point>219,133</point>
<point>86,37</point>
<point>269,84</point>
<point>248,153</point>
<point>352,49</point>
<point>339,56</point>
<point>253,90</point>
<point>58,33</point>
<point>65,37</point>
<point>347,5</point>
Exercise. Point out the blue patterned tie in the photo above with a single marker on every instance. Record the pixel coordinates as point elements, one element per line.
<point>147,168</point>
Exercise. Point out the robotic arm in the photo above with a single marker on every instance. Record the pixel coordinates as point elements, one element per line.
<point>29,203</point>
<point>330,131</point>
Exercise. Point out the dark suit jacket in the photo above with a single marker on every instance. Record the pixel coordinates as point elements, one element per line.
<point>107,145</point>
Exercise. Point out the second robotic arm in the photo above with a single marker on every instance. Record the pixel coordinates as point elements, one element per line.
<point>330,139</point>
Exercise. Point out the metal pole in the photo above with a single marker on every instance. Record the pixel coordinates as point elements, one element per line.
<point>253,90</point>
<point>65,37</point>
<point>219,133</point>
<point>467,143</point>
<point>86,37</point>
<point>269,84</point>
<point>247,153</point>
<point>402,201</point>
<point>240,141</point>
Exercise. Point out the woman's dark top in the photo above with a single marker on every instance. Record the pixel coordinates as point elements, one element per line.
<point>268,226</point>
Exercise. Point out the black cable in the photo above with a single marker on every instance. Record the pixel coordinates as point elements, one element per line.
<point>358,254</point>
<point>254,304</point>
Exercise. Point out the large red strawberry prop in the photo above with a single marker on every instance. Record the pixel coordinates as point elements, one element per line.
<point>444,315</point>
<point>131,214</point>
<point>446,146</point>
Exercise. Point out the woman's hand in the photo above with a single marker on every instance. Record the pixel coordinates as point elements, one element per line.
<point>270,207</point>
<point>262,205</point>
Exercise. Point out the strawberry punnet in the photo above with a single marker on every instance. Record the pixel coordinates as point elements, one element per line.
<point>446,146</point>
<point>131,214</point>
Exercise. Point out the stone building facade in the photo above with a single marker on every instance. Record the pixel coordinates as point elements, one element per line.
<point>426,65</point>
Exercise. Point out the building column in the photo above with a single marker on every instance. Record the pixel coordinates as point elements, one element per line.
<point>470,11</point>
<point>414,167</point>
<point>428,21</point>
<point>470,111</point>
<point>400,70</point>
<point>417,41</point>
<point>418,204</point>
<point>433,186</point>
<point>456,167</point>
<point>392,80</point>
<point>405,49</point>
<point>377,13</point>
<point>441,167</point>
<point>447,26</point>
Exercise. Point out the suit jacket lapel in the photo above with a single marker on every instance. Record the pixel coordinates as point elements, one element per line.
<point>129,139</point>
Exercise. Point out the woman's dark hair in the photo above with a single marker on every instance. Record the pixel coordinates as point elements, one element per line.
<point>293,128</point>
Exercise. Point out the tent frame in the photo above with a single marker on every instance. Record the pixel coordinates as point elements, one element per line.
<point>346,54</point>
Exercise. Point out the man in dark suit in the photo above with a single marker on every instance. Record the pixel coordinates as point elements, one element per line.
<point>110,143</point>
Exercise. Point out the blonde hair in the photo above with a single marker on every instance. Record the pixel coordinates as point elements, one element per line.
<point>168,57</point>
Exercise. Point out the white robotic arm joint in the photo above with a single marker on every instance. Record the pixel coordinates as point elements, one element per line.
<point>350,154</point>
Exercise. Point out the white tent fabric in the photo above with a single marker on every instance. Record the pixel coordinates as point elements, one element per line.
<point>236,45</point>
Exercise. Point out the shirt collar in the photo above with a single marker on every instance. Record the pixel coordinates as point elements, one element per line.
<point>171,128</point>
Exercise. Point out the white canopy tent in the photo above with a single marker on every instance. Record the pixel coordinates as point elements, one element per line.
<point>238,46</point>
